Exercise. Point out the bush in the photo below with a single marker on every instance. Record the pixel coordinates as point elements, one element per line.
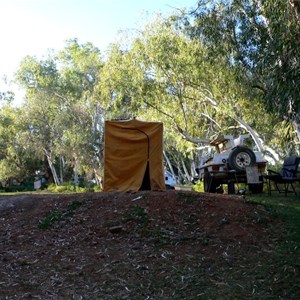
<point>69,187</point>
<point>198,187</point>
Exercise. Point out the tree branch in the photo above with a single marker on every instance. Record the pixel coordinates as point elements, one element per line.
<point>185,135</point>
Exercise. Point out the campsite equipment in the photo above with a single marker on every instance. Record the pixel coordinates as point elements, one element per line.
<point>133,156</point>
<point>229,164</point>
<point>285,179</point>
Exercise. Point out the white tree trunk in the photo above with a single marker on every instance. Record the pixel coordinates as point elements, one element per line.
<point>99,178</point>
<point>261,146</point>
<point>296,126</point>
<point>169,164</point>
<point>61,168</point>
<point>52,168</point>
<point>186,173</point>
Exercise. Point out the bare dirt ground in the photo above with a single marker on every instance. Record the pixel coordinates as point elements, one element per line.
<point>145,245</point>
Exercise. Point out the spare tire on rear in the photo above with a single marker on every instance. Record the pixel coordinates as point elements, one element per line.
<point>240,158</point>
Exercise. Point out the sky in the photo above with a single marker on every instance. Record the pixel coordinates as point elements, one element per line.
<point>31,27</point>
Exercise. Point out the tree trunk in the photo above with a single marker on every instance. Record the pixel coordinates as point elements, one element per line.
<point>61,168</point>
<point>169,164</point>
<point>52,168</point>
<point>99,178</point>
<point>296,125</point>
<point>262,147</point>
<point>187,175</point>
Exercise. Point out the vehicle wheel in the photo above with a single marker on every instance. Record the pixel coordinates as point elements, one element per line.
<point>256,188</point>
<point>240,158</point>
<point>209,184</point>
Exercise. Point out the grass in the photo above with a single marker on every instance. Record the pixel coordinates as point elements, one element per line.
<point>284,266</point>
<point>285,210</point>
<point>139,215</point>
<point>188,198</point>
<point>48,221</point>
<point>56,216</point>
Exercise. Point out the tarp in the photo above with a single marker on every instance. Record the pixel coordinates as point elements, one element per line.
<point>133,156</point>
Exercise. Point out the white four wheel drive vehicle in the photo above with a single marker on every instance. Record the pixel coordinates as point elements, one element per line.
<point>228,165</point>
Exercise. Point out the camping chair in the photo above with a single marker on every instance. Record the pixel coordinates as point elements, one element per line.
<point>286,177</point>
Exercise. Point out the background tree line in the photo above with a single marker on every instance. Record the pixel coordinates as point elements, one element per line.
<point>225,67</point>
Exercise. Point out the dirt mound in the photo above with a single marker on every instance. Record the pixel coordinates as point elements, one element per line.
<point>146,245</point>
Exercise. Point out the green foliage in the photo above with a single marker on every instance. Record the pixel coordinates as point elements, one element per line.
<point>62,114</point>
<point>176,80</point>
<point>67,188</point>
<point>17,157</point>
<point>188,198</point>
<point>139,215</point>
<point>50,220</point>
<point>74,205</point>
<point>198,187</point>
<point>57,216</point>
<point>35,75</point>
<point>260,40</point>
<point>286,209</point>
<point>197,78</point>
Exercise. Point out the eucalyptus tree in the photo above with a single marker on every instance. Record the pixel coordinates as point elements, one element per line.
<point>146,80</point>
<point>261,38</point>
<point>40,79</point>
<point>169,77</point>
<point>120,84</point>
<point>82,141</point>
<point>62,107</point>
<point>17,159</point>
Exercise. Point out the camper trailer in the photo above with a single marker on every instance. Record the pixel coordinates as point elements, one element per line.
<point>229,163</point>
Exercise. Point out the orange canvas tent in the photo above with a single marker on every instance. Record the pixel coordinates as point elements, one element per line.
<point>133,156</point>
